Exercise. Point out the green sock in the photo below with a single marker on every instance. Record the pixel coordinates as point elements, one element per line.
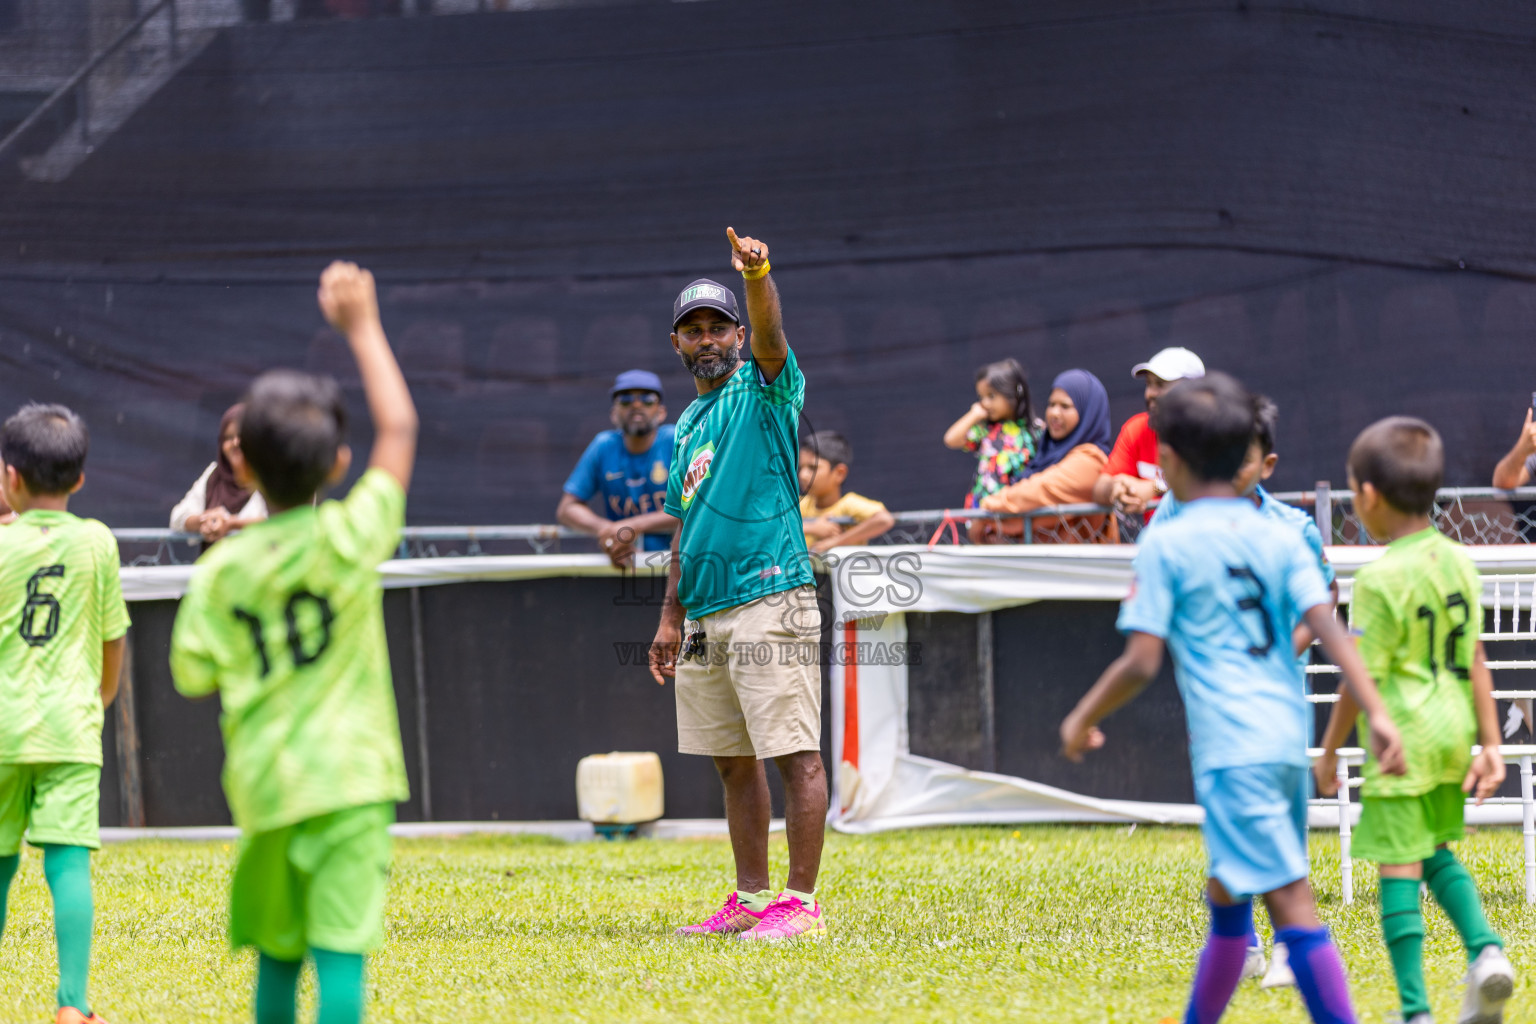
<point>277,985</point>
<point>807,899</point>
<point>68,870</point>
<point>1402,925</point>
<point>1456,893</point>
<point>757,902</point>
<point>340,977</point>
<point>8,866</point>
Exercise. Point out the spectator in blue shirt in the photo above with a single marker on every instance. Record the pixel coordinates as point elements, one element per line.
<point>626,468</point>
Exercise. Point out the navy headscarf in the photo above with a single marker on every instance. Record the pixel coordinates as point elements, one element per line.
<point>1093,428</point>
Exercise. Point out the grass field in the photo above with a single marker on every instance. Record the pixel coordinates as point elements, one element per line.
<point>1036,924</point>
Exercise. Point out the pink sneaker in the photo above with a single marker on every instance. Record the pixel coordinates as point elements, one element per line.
<point>787,918</point>
<point>733,917</point>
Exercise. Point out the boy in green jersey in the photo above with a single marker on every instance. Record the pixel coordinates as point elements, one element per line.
<point>62,623</point>
<point>1418,613</point>
<point>285,620</point>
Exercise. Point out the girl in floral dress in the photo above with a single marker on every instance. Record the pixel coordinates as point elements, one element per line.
<point>999,428</point>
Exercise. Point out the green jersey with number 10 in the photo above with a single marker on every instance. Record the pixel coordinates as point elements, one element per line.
<point>60,599</point>
<point>286,621</point>
<point>1417,611</point>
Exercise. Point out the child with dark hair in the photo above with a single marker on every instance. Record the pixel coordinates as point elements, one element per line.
<point>824,460</point>
<point>1221,588</point>
<point>999,428</point>
<point>1417,611</point>
<point>1257,467</point>
<point>62,623</point>
<point>285,621</point>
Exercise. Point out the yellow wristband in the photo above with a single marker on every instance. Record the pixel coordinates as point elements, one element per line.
<point>762,271</point>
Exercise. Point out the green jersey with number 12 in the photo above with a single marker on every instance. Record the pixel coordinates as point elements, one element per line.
<point>1418,610</point>
<point>60,600</point>
<point>286,621</point>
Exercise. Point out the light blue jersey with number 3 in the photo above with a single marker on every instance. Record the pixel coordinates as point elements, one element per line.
<point>1224,586</point>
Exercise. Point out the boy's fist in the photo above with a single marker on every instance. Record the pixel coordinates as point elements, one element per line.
<point>347,296</point>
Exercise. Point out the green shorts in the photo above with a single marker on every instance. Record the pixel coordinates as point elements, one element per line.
<point>58,804</point>
<point>316,884</point>
<point>1407,829</point>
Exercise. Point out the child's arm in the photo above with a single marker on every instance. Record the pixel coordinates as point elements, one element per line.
<point>1126,676</point>
<point>1386,744</point>
<point>111,668</point>
<point>350,303</point>
<point>1340,721</point>
<point>1487,772</point>
<point>1301,636</point>
<point>858,533</point>
<point>954,437</point>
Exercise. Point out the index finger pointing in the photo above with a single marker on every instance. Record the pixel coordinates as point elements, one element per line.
<point>730,234</point>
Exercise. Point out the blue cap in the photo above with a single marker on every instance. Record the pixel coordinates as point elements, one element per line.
<point>637,380</point>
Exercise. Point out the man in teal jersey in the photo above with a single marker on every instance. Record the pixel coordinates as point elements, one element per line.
<point>741,586</point>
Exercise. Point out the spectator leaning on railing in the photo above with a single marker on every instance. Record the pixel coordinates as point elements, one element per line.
<point>1070,459</point>
<point>221,501</point>
<point>1132,479</point>
<point>1517,468</point>
<point>627,466</point>
<point>824,460</point>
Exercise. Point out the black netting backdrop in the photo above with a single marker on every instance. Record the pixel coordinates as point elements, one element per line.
<point>1333,202</point>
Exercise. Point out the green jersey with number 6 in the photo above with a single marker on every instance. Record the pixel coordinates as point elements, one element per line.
<point>285,620</point>
<point>60,600</point>
<point>1417,611</point>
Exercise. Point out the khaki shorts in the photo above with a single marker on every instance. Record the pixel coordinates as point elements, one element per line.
<point>754,690</point>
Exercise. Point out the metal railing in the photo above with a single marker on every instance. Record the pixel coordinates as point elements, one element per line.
<point>78,85</point>
<point>1471,515</point>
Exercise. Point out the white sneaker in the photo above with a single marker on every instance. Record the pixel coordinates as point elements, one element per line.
<point>1253,963</point>
<point>1280,974</point>
<point>1490,981</point>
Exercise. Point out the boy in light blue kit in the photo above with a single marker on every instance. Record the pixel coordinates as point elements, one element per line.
<point>1258,466</point>
<point>1223,587</point>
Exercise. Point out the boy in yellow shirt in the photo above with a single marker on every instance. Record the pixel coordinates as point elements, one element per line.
<point>824,461</point>
<point>285,622</point>
<point>62,623</point>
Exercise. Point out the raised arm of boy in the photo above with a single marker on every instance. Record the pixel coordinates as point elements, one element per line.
<point>769,347</point>
<point>350,302</point>
<point>1358,694</point>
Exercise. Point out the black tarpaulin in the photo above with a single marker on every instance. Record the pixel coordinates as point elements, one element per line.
<point>1333,202</point>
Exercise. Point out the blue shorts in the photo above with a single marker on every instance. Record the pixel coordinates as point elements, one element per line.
<point>1255,826</point>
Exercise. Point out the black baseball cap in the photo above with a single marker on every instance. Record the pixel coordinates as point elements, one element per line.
<point>705,294</point>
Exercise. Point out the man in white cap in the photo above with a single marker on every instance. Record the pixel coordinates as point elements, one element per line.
<point>1131,479</point>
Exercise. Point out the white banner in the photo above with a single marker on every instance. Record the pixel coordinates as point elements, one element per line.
<point>877,782</point>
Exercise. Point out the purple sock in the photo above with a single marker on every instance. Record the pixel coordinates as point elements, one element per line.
<point>1319,974</point>
<point>1221,962</point>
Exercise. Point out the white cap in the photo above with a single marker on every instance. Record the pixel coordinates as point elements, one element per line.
<point>1172,364</point>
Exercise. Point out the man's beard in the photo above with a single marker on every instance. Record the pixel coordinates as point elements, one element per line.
<point>722,367</point>
<point>637,426</point>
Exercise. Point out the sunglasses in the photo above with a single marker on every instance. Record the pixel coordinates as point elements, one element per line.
<point>645,399</point>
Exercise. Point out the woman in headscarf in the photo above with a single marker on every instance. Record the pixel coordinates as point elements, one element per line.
<point>1074,450</point>
<point>221,501</point>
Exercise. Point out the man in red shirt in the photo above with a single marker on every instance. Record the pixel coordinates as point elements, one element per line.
<point>1131,478</point>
